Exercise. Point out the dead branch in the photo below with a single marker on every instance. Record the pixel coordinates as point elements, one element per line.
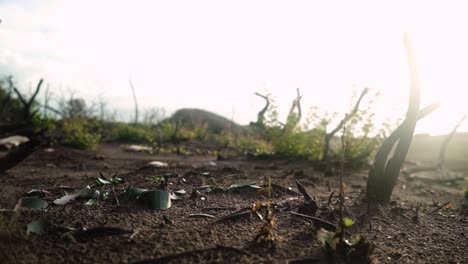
<point>28,104</point>
<point>440,207</point>
<point>330,135</point>
<point>443,149</point>
<point>384,173</point>
<point>261,115</point>
<point>134,99</point>
<point>294,119</point>
<point>16,156</point>
<point>304,192</point>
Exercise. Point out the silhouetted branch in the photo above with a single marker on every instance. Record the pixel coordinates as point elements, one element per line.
<point>261,115</point>
<point>443,149</point>
<point>17,155</point>
<point>27,105</point>
<point>293,120</point>
<point>134,99</point>
<point>330,135</point>
<point>384,172</point>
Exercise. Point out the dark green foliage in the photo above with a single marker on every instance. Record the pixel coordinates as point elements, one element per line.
<point>10,108</point>
<point>82,133</point>
<point>135,134</point>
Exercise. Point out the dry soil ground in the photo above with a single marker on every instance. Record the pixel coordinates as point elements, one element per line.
<point>129,233</point>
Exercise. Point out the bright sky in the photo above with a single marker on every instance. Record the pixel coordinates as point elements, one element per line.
<point>216,54</point>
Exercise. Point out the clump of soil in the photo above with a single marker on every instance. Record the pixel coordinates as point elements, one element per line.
<point>413,228</point>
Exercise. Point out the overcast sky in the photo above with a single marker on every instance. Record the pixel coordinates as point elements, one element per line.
<point>216,54</point>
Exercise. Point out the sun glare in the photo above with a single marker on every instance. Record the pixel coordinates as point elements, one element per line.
<point>215,58</point>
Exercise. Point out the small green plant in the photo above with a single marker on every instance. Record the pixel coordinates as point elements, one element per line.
<point>105,187</point>
<point>135,134</point>
<point>336,245</point>
<point>356,249</point>
<point>266,236</point>
<point>160,180</point>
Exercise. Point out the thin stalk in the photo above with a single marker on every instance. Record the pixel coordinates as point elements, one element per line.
<point>343,149</point>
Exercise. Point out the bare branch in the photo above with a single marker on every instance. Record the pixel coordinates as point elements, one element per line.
<point>443,149</point>
<point>330,135</point>
<point>134,99</point>
<point>261,115</point>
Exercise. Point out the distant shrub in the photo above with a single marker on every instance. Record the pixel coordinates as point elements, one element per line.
<point>252,145</point>
<point>80,133</point>
<point>46,124</point>
<point>135,134</point>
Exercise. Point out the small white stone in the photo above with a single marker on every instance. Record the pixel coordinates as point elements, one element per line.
<point>157,164</point>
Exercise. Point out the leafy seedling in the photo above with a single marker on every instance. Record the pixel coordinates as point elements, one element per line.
<point>33,203</point>
<point>159,200</point>
<point>162,181</point>
<point>38,227</point>
<point>105,192</point>
<point>266,236</point>
<point>356,249</point>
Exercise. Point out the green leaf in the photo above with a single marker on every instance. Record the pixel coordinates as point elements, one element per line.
<point>91,202</point>
<point>117,180</point>
<point>100,181</point>
<point>133,192</point>
<point>66,198</point>
<point>347,222</point>
<point>38,227</point>
<point>85,193</point>
<point>36,193</point>
<point>180,192</point>
<point>34,203</point>
<point>327,238</point>
<point>160,200</point>
<point>244,184</point>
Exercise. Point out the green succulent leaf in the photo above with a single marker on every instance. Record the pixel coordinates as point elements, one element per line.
<point>66,199</point>
<point>117,180</point>
<point>91,202</point>
<point>100,181</point>
<point>33,203</point>
<point>37,227</point>
<point>133,192</point>
<point>160,200</point>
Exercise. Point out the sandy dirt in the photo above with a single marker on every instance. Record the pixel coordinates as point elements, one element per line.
<point>127,232</point>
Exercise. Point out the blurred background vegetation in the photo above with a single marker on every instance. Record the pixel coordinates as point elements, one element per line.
<point>82,124</point>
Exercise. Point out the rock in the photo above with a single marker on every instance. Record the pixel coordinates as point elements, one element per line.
<point>157,164</point>
<point>138,148</point>
<point>13,141</point>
